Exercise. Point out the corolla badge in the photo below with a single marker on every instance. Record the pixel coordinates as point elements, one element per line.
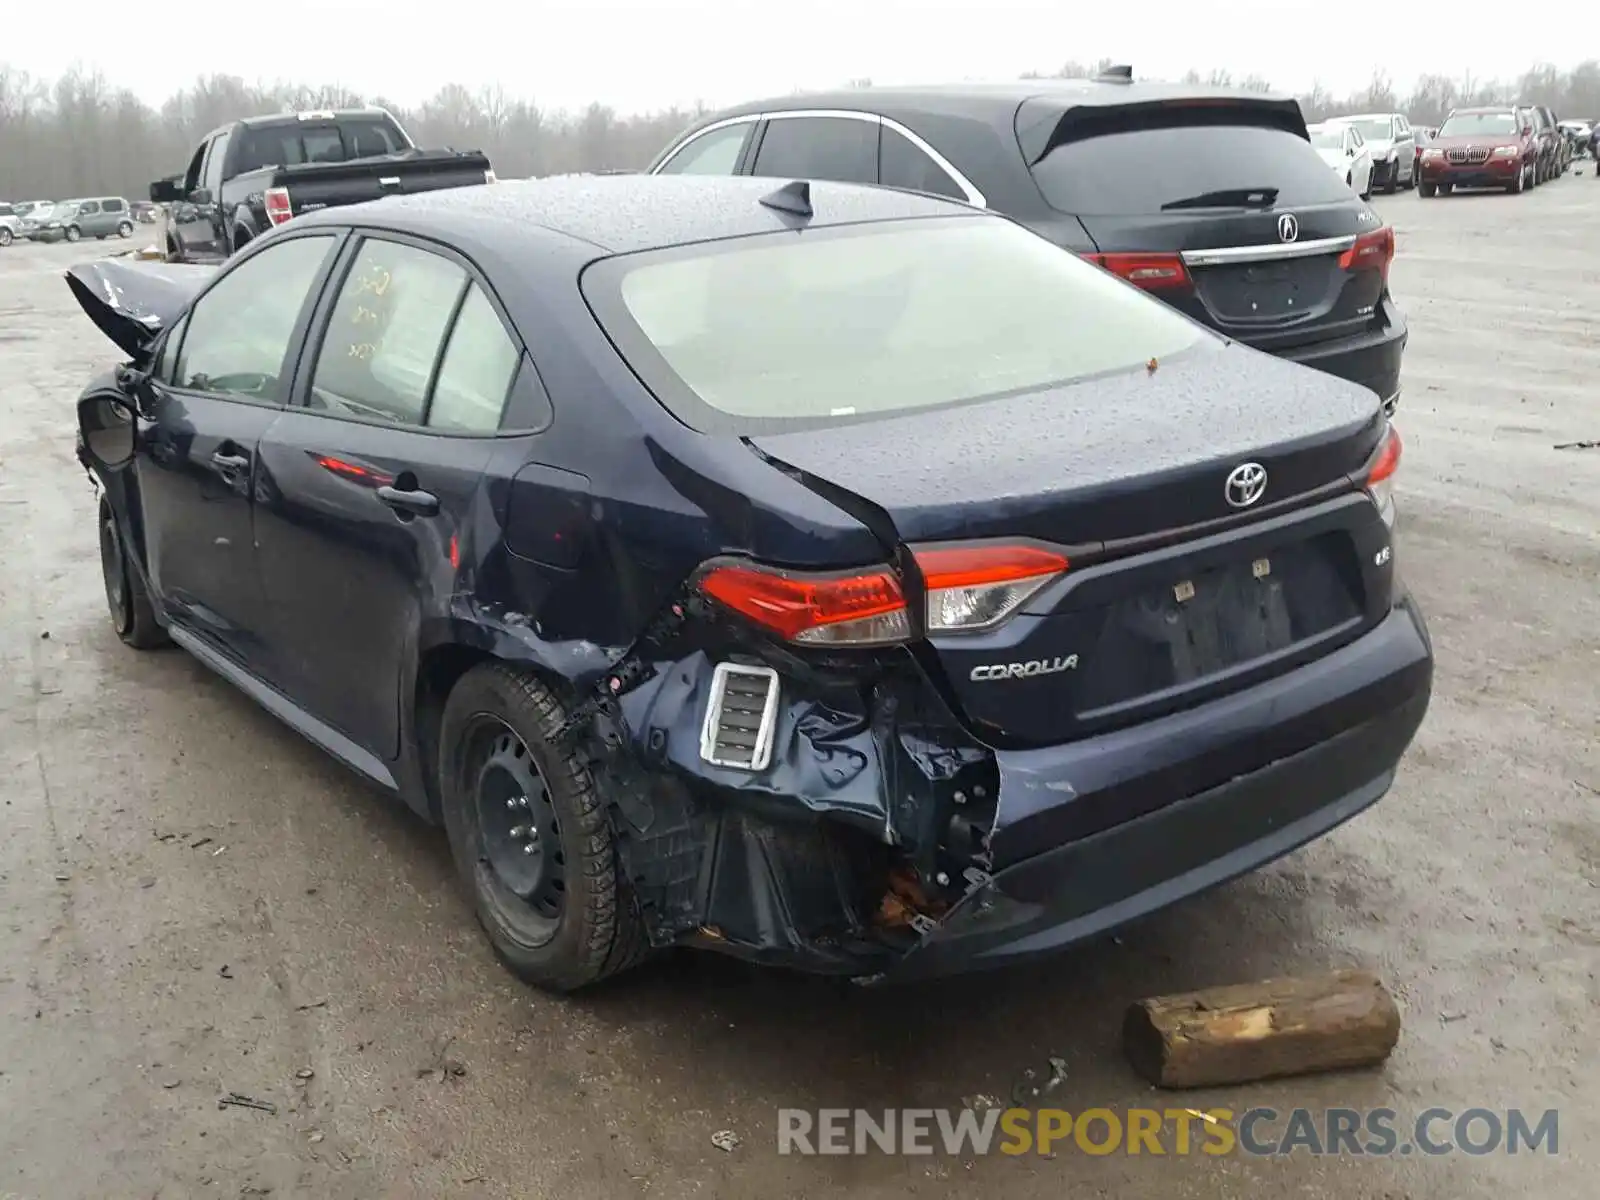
<point>1025,670</point>
<point>1245,484</point>
<point>1288,227</point>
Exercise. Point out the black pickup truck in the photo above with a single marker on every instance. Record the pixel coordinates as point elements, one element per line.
<point>247,177</point>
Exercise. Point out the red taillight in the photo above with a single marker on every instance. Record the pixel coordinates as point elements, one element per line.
<point>969,588</point>
<point>1380,475</point>
<point>1388,460</point>
<point>277,204</point>
<point>1372,252</point>
<point>1153,272</point>
<point>858,608</point>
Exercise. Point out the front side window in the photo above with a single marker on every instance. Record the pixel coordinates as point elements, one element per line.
<point>767,332</point>
<point>240,329</point>
<point>841,149</point>
<point>714,153</point>
<point>88,208</point>
<point>386,332</point>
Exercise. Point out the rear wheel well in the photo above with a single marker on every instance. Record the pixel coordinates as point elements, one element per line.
<point>437,674</point>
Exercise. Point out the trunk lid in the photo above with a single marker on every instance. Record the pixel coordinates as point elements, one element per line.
<point>133,301</point>
<point>1113,470</point>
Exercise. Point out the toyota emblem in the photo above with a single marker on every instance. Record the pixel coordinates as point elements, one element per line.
<point>1288,227</point>
<point>1245,484</point>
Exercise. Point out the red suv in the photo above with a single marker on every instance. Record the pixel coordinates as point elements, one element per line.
<point>1482,147</point>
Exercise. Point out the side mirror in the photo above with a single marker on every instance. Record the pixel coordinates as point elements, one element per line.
<point>107,425</point>
<point>200,197</point>
<point>167,191</point>
<point>1350,152</point>
<point>1527,131</point>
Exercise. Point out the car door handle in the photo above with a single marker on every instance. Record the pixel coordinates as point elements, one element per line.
<point>409,501</point>
<point>230,462</point>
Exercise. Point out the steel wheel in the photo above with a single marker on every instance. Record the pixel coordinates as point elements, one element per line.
<point>114,570</point>
<point>519,836</point>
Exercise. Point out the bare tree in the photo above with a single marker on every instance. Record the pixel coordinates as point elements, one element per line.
<point>81,135</point>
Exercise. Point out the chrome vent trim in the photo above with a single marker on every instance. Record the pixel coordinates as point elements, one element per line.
<point>741,717</point>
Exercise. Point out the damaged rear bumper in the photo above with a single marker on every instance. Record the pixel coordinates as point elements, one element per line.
<point>796,866</point>
<point>1093,884</point>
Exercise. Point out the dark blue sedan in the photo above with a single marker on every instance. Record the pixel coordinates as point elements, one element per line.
<point>834,577</point>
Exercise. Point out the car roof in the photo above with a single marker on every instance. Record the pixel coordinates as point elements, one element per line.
<point>1372,116</point>
<point>994,102</point>
<point>623,214</point>
<point>1485,108</point>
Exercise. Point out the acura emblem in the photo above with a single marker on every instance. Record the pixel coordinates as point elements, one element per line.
<point>1245,484</point>
<point>1288,227</point>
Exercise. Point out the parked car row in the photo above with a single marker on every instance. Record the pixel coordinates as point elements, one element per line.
<point>66,220</point>
<point>1506,146</point>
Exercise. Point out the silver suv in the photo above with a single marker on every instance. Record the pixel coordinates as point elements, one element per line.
<point>96,217</point>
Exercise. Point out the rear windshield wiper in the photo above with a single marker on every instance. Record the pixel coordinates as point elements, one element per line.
<point>1263,197</point>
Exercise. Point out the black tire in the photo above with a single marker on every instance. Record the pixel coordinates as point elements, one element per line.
<point>498,745</point>
<point>73,233</point>
<point>1392,183</point>
<point>125,229</point>
<point>1520,184</point>
<point>1446,188</point>
<point>132,615</point>
<point>1426,190</point>
<point>5,236</point>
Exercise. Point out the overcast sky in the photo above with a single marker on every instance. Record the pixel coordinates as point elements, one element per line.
<point>640,56</point>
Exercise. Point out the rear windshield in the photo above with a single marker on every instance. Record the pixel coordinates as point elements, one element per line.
<point>317,141</point>
<point>1468,124</point>
<point>1139,172</point>
<point>827,326</point>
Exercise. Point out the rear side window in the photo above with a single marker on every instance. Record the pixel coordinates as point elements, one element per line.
<point>476,371</point>
<point>837,148</point>
<point>767,332</point>
<point>714,153</point>
<point>903,164</point>
<point>1147,171</point>
<point>387,329</point>
<point>114,206</point>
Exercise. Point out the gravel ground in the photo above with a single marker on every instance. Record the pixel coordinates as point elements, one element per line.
<point>196,902</point>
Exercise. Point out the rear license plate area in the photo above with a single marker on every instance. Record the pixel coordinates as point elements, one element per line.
<point>1200,624</point>
<point>1269,291</point>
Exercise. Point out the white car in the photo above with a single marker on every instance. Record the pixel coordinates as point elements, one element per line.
<point>1343,148</point>
<point>1393,146</point>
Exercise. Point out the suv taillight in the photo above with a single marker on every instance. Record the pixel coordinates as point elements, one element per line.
<point>969,588</point>
<point>1372,252</point>
<point>1153,272</point>
<point>277,204</point>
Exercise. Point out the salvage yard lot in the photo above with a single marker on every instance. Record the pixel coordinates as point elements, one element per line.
<point>196,902</point>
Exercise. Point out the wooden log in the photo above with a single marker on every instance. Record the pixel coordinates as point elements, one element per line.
<point>1262,1030</point>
